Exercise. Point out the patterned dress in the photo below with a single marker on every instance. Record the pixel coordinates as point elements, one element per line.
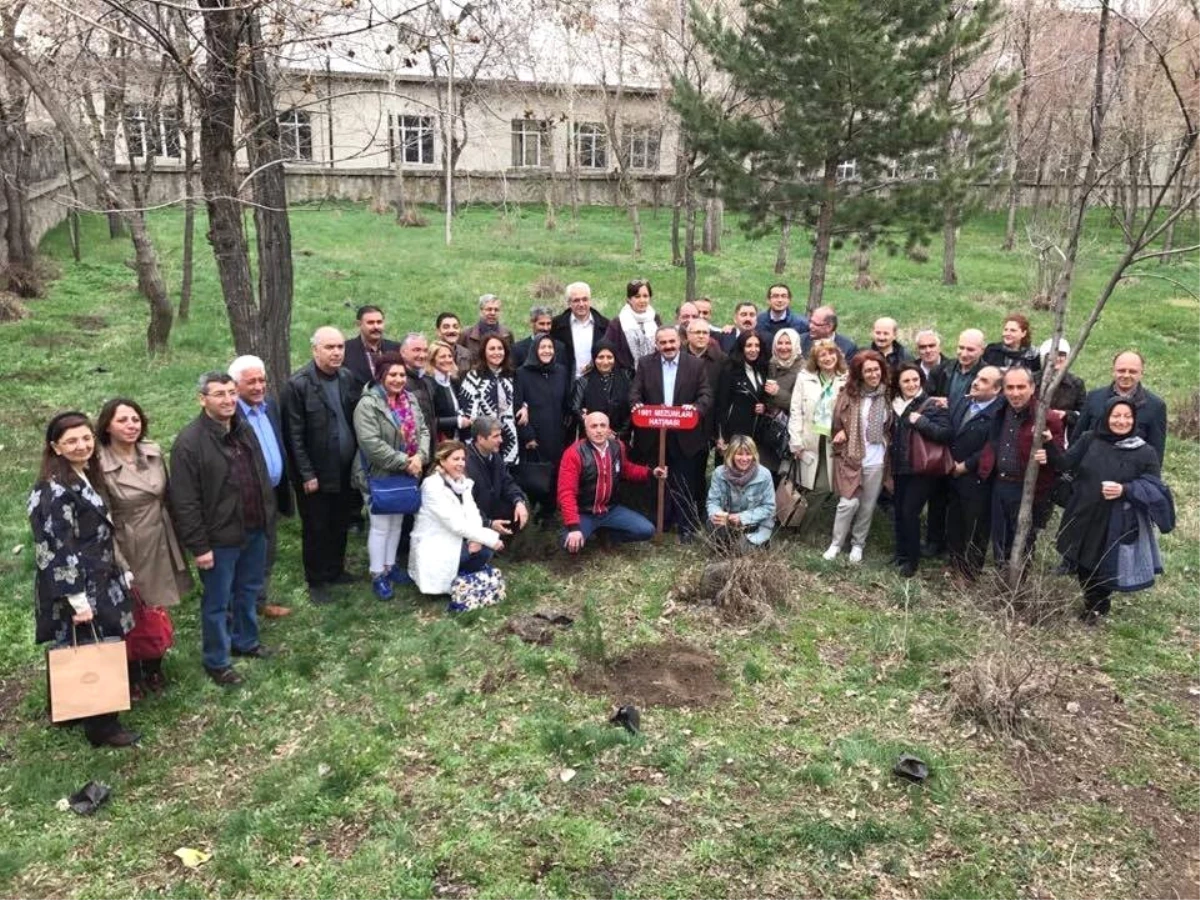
<point>496,396</point>
<point>75,553</point>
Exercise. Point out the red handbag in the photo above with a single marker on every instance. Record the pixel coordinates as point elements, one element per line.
<point>153,633</point>
<point>926,457</point>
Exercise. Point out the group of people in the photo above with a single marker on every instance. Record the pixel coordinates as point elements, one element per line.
<point>501,432</point>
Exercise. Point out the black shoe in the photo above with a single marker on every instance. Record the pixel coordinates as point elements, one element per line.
<point>1091,617</point>
<point>226,677</point>
<point>259,652</point>
<point>932,551</point>
<point>121,737</point>
<point>908,570</point>
<point>319,594</point>
<point>345,578</point>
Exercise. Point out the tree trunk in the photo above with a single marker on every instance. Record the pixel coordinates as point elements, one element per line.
<point>689,248</point>
<point>785,240</point>
<point>189,205</point>
<point>16,154</point>
<point>73,212</point>
<point>816,278</point>
<point>1169,236</point>
<point>218,173</point>
<point>635,219</point>
<point>707,238</point>
<point>676,213</point>
<point>950,219</point>
<point>161,314</point>
<point>1132,193</point>
<point>272,228</point>
<point>863,280</point>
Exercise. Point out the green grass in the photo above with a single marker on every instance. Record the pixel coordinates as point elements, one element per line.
<point>389,750</point>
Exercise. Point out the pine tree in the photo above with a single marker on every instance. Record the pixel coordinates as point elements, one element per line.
<point>839,114</point>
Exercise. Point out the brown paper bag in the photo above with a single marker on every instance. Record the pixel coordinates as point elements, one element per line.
<point>87,680</point>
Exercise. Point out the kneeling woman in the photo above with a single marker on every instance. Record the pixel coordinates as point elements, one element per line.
<point>449,538</point>
<point>741,498</point>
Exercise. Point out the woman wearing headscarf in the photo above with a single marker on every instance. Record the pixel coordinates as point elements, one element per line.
<point>741,497</point>
<point>782,370</point>
<point>391,433</point>
<point>490,389</point>
<point>1106,463</point>
<point>740,396</point>
<point>135,483</point>
<point>817,388</point>
<point>915,411</point>
<point>603,387</point>
<point>81,585</point>
<point>544,385</point>
<point>443,376</point>
<point>1014,347</point>
<point>862,428</point>
<point>632,330</point>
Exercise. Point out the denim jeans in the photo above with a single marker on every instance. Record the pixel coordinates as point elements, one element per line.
<point>227,609</point>
<point>472,562</point>
<point>622,523</point>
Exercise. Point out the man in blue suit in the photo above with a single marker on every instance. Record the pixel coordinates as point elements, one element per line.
<point>249,374</point>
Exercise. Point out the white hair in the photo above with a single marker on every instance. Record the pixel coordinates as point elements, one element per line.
<point>929,331</point>
<point>487,297</point>
<point>243,364</point>
<point>577,286</point>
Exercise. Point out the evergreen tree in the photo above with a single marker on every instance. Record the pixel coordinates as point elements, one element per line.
<point>840,114</point>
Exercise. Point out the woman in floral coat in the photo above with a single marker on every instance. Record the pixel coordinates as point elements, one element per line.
<point>81,589</point>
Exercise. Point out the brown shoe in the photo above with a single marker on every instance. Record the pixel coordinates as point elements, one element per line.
<point>273,611</point>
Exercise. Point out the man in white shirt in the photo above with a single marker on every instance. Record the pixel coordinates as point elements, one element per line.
<point>579,328</point>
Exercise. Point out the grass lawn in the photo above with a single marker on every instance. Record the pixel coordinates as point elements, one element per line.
<point>391,750</point>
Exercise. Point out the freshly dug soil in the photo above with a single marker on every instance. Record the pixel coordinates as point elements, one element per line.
<point>670,674</point>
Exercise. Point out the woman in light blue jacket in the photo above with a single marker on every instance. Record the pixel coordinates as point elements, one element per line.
<point>741,498</point>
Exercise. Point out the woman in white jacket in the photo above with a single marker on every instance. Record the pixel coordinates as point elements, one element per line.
<point>816,391</point>
<point>448,538</point>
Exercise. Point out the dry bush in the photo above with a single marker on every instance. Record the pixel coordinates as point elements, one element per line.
<point>918,253</point>
<point>1041,597</point>
<point>11,307</point>
<point>547,287</point>
<point>411,218</point>
<point>1186,424</point>
<point>999,689</point>
<point>741,585</point>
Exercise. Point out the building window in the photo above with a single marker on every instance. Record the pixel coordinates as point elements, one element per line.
<point>153,131</point>
<point>295,135</point>
<point>642,148</point>
<point>591,145</point>
<point>415,135</point>
<point>530,143</point>
<point>847,170</point>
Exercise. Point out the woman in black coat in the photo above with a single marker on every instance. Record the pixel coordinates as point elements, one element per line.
<point>604,387</point>
<point>915,411</point>
<point>740,396</point>
<point>442,373</point>
<point>1015,346</point>
<point>543,384</point>
<point>81,586</point>
<point>1102,461</point>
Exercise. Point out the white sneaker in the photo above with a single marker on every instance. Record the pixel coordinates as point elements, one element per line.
<point>856,554</point>
<point>832,552</point>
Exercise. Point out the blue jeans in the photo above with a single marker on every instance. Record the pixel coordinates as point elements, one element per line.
<point>227,609</point>
<point>623,524</point>
<point>473,562</point>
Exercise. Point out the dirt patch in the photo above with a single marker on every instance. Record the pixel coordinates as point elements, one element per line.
<point>11,307</point>
<point>669,674</point>
<point>341,841</point>
<point>12,695</point>
<point>89,323</point>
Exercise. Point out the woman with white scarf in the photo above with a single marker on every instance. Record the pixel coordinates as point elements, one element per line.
<point>862,429</point>
<point>631,332</point>
<point>449,538</point>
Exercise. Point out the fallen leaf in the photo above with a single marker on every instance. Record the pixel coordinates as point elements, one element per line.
<point>665,801</point>
<point>322,769</point>
<point>63,805</point>
<point>1073,707</point>
<point>192,858</point>
<point>17,549</point>
<point>1194,691</point>
<point>298,861</point>
<point>566,775</point>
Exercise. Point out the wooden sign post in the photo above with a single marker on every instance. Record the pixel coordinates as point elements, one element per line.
<point>665,418</point>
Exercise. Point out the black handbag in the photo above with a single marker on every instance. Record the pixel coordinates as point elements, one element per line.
<point>772,434</point>
<point>535,477</point>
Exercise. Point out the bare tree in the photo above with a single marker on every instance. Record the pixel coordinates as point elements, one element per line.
<point>16,153</point>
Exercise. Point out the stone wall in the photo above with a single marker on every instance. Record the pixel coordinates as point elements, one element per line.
<point>50,194</point>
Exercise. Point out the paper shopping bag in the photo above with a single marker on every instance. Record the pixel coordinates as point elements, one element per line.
<point>87,680</point>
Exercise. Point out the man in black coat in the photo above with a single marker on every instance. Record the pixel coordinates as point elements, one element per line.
<point>362,351</point>
<point>969,508</point>
<point>318,404</point>
<point>1128,367</point>
<point>414,350</point>
<point>261,412</point>
<point>1070,395</point>
<point>933,363</point>
<point>500,499</point>
<point>672,378</point>
<point>579,329</point>
<point>223,505</point>
<point>541,321</point>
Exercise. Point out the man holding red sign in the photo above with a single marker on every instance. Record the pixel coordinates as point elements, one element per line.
<point>588,478</point>
<point>671,378</point>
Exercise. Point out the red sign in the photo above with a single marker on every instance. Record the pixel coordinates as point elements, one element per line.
<point>670,417</point>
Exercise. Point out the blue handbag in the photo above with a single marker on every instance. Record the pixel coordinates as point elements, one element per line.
<point>391,495</point>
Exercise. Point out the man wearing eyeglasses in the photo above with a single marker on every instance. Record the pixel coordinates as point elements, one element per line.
<point>929,354</point>
<point>579,328</point>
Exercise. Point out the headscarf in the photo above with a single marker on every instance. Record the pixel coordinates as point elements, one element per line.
<point>531,359</point>
<point>1129,441</point>
<point>780,363</point>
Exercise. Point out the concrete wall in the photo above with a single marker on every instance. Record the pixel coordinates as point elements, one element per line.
<point>50,197</point>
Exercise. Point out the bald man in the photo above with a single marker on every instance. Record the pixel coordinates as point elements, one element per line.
<point>823,326</point>
<point>883,341</point>
<point>953,380</point>
<point>318,403</point>
<point>1127,370</point>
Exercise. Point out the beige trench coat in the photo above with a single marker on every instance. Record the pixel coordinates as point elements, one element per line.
<point>145,535</point>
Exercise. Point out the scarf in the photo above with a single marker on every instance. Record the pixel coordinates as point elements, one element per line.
<point>458,485</point>
<point>823,408</point>
<point>876,420</point>
<point>406,422</point>
<point>639,329</point>
<point>740,479</point>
